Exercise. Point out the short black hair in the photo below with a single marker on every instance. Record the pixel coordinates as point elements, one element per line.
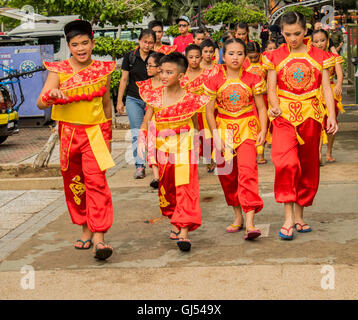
<point>242,25</point>
<point>155,23</point>
<point>191,47</point>
<point>207,43</point>
<point>198,31</point>
<point>253,47</point>
<point>177,58</point>
<point>270,41</point>
<point>292,18</point>
<point>227,35</point>
<point>147,32</point>
<point>234,40</point>
<point>156,56</point>
<point>76,28</point>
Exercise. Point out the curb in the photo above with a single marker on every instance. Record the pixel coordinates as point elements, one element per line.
<point>15,238</point>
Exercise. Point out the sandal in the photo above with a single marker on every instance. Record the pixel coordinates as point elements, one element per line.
<point>286,236</point>
<point>234,228</point>
<point>211,167</point>
<point>175,233</point>
<point>184,244</point>
<point>104,253</point>
<point>330,160</point>
<point>252,233</point>
<point>261,161</point>
<point>301,227</point>
<point>83,244</point>
<point>154,183</point>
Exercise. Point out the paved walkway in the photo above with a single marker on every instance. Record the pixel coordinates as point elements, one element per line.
<point>36,234</point>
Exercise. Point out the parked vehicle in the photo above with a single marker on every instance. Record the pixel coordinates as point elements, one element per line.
<point>9,101</point>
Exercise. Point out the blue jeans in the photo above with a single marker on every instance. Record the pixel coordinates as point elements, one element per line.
<point>135,110</point>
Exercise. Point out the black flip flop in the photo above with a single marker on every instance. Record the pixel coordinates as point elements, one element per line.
<point>184,245</point>
<point>83,244</point>
<point>176,233</point>
<point>104,253</point>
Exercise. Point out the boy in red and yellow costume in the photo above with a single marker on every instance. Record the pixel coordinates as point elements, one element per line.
<point>157,27</point>
<point>78,90</point>
<point>173,109</point>
<point>193,81</point>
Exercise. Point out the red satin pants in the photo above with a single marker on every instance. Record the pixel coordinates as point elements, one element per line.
<point>87,193</point>
<point>239,178</point>
<point>179,203</point>
<point>296,166</point>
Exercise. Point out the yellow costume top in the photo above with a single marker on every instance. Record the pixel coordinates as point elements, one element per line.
<point>85,90</point>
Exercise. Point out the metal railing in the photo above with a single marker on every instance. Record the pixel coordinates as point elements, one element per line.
<point>352,49</point>
<point>277,14</point>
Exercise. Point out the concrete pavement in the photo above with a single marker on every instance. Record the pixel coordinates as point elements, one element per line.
<point>147,265</point>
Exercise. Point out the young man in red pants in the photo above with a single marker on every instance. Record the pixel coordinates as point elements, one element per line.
<point>78,90</point>
<point>173,109</point>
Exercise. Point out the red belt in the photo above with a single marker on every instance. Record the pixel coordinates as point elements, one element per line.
<point>224,116</point>
<point>172,132</point>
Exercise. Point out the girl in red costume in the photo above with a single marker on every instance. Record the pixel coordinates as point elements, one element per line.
<point>254,65</point>
<point>173,108</point>
<point>146,88</point>
<point>78,89</point>
<point>320,39</point>
<point>296,71</point>
<point>192,82</point>
<point>236,133</point>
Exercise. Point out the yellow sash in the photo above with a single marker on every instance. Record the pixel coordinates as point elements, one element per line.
<point>338,99</point>
<point>179,145</point>
<point>99,147</point>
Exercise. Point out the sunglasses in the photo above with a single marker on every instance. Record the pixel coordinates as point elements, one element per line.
<point>183,25</point>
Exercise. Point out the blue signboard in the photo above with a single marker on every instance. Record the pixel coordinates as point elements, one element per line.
<point>25,58</point>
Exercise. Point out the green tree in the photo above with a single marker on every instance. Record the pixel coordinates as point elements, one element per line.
<point>115,12</point>
<point>308,12</point>
<point>227,12</point>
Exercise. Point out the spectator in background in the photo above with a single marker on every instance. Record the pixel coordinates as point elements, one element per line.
<point>185,37</point>
<point>199,36</point>
<point>264,35</point>
<point>336,35</point>
<point>134,68</point>
<point>226,36</point>
<point>276,35</point>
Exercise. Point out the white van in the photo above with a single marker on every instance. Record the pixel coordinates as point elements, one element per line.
<point>49,30</point>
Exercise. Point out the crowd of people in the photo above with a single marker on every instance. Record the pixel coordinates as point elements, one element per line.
<point>198,100</point>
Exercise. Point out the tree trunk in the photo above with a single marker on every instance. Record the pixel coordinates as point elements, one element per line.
<point>44,155</point>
